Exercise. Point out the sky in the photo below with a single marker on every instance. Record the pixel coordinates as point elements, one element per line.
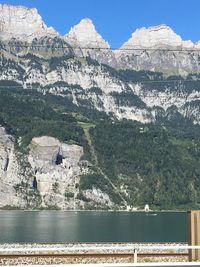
<point>116,20</point>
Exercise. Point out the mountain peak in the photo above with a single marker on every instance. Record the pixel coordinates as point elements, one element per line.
<point>85,34</point>
<point>161,27</point>
<point>86,21</point>
<point>156,36</point>
<point>22,23</point>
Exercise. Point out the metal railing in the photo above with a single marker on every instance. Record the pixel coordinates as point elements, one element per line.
<point>155,264</point>
<point>135,249</point>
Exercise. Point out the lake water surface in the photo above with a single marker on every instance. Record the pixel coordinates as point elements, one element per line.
<point>92,226</point>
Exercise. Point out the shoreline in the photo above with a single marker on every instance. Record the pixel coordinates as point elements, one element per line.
<point>78,210</point>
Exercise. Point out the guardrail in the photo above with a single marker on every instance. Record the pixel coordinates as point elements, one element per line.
<point>156,264</point>
<point>177,247</point>
<point>99,248</point>
<point>135,249</point>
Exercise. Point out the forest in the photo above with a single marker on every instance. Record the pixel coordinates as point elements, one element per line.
<point>158,164</point>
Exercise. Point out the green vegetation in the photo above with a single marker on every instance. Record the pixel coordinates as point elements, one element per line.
<point>86,125</point>
<point>69,194</point>
<point>55,187</point>
<point>142,75</point>
<point>183,142</point>
<point>55,62</point>
<point>8,207</point>
<point>128,99</point>
<point>156,166</point>
<point>173,83</point>
<point>27,114</point>
<point>97,180</point>
<point>95,90</point>
<point>82,197</point>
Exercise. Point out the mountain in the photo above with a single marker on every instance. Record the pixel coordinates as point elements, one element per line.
<point>159,48</point>
<point>161,36</point>
<point>57,155</point>
<point>83,36</point>
<point>37,57</point>
<point>18,23</point>
<point>82,126</point>
<point>22,23</point>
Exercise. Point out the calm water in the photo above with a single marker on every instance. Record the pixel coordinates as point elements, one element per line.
<point>69,226</point>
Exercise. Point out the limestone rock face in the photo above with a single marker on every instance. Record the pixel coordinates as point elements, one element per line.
<point>98,196</point>
<point>149,49</point>
<point>18,23</point>
<point>156,37</point>
<point>22,23</point>
<point>83,36</point>
<point>56,167</point>
<point>9,172</point>
<point>64,65</point>
<point>57,170</point>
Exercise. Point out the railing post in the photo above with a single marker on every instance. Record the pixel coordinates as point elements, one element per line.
<point>135,255</point>
<point>194,234</point>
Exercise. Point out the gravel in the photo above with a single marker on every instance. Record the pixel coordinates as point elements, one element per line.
<point>68,260</point>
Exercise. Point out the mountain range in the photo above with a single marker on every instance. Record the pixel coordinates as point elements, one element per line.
<point>153,79</point>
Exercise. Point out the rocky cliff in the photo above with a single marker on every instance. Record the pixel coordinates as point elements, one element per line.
<point>48,177</point>
<point>56,168</point>
<point>153,78</point>
<point>22,23</point>
<point>37,57</point>
<point>9,172</point>
<point>159,48</point>
<point>87,41</point>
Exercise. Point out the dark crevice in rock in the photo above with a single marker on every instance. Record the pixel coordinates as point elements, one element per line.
<point>6,165</point>
<point>59,159</point>
<point>35,183</point>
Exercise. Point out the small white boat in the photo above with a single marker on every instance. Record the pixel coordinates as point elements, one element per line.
<point>151,214</point>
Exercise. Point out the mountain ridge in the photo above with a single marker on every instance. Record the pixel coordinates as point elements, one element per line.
<point>129,123</point>
<point>155,37</point>
<point>22,22</point>
<point>26,13</point>
<point>85,33</point>
<point>155,48</point>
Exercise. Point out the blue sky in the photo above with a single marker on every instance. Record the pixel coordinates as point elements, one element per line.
<point>115,20</point>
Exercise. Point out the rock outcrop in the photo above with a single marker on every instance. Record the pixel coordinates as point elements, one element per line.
<point>161,36</point>
<point>9,172</point>
<point>88,42</point>
<point>22,23</point>
<point>48,178</point>
<point>91,84</point>
<point>57,170</point>
<point>158,48</point>
<point>85,35</point>
<point>81,68</point>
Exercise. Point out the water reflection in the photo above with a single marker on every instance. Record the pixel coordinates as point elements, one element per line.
<point>69,226</point>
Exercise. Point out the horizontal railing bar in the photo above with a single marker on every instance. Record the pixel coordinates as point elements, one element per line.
<point>85,248</point>
<point>176,247</point>
<point>155,264</point>
<point>93,255</point>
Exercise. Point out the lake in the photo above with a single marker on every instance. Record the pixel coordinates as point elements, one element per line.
<point>92,226</point>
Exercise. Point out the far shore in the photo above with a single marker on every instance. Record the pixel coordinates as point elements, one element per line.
<point>78,210</point>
